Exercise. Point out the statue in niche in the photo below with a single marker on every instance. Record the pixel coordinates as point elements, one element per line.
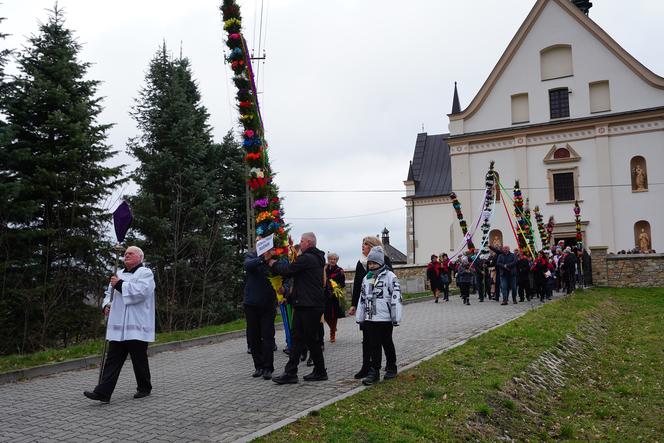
<point>640,179</point>
<point>644,241</point>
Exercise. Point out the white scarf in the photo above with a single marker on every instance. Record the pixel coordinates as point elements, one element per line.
<point>363,260</point>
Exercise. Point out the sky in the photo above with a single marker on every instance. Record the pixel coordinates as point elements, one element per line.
<point>346,86</point>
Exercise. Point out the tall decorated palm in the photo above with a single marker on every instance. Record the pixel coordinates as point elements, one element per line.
<point>260,178</point>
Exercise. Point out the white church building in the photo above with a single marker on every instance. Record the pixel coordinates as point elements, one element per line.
<point>571,115</point>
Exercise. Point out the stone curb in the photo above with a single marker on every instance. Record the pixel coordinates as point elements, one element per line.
<point>93,361</point>
<point>295,417</point>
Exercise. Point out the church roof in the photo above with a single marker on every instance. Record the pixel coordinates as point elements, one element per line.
<point>396,257</point>
<point>646,74</point>
<point>431,166</point>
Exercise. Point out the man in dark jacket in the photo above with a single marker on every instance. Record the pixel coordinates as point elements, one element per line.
<point>506,262</point>
<point>259,307</point>
<point>308,301</point>
<point>523,266</point>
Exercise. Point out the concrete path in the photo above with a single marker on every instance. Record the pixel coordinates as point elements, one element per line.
<point>206,393</point>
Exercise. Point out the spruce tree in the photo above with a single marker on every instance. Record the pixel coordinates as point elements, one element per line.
<point>186,208</point>
<point>52,182</point>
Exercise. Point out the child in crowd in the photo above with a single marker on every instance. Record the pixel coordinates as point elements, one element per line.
<point>379,310</point>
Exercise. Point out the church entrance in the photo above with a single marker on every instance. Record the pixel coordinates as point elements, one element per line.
<point>569,240</point>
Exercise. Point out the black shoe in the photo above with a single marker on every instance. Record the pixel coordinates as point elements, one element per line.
<point>435,301</point>
<point>503,303</point>
<point>285,379</point>
<point>303,357</point>
<point>286,351</point>
<point>514,302</point>
<point>257,373</point>
<point>267,374</point>
<point>140,394</point>
<point>94,396</point>
<point>521,300</point>
<point>390,374</point>
<point>372,378</point>
<point>248,350</point>
<point>310,362</point>
<point>361,374</point>
<point>315,376</point>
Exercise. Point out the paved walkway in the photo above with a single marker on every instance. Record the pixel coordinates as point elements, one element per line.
<point>206,393</point>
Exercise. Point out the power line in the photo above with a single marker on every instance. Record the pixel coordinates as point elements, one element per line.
<point>374,191</point>
<point>348,216</point>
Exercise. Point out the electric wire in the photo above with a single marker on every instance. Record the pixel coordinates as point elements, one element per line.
<point>370,191</point>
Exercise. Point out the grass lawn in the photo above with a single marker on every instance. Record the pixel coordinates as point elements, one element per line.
<point>608,383</point>
<point>94,347</point>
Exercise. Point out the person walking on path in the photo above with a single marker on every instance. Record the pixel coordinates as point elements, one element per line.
<point>433,275</point>
<point>361,270</point>
<point>465,278</point>
<point>379,310</point>
<point>130,327</point>
<point>308,305</point>
<point>445,276</point>
<point>333,310</point>
<point>260,303</point>
<point>506,262</point>
<point>523,266</point>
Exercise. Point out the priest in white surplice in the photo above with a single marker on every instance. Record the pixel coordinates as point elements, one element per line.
<point>130,326</point>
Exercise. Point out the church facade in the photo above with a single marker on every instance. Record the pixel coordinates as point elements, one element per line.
<point>572,116</point>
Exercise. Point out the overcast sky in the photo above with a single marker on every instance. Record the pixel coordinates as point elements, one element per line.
<point>347,84</point>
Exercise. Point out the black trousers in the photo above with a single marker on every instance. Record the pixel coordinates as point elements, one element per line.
<point>306,328</point>
<point>379,337</point>
<point>260,335</point>
<point>524,288</point>
<point>115,358</point>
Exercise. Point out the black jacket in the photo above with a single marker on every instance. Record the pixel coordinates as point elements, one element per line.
<point>307,272</point>
<point>360,273</point>
<point>257,288</point>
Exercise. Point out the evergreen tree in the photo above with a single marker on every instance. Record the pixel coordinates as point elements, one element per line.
<point>52,181</point>
<point>186,211</point>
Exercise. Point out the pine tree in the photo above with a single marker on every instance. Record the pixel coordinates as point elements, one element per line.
<point>52,182</point>
<point>186,211</point>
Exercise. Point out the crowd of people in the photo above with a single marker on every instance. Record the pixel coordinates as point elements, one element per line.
<point>313,287</point>
<point>502,272</point>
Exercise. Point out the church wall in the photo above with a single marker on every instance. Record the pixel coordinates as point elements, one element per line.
<point>592,61</point>
<point>630,207</point>
<point>432,230</point>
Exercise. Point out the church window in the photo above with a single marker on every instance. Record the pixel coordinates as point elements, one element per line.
<point>520,111</point>
<point>556,62</point>
<point>600,100</point>
<point>559,102</point>
<point>563,185</point>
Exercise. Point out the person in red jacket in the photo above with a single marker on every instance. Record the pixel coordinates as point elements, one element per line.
<point>433,275</point>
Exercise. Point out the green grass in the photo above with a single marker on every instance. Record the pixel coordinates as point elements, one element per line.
<point>614,393</point>
<point>414,295</point>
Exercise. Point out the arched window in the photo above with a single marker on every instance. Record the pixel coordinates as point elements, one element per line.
<point>556,62</point>
<point>639,174</point>
<point>642,236</point>
<point>561,153</point>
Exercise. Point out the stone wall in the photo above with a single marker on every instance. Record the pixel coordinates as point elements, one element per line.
<point>627,270</point>
<point>412,278</point>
